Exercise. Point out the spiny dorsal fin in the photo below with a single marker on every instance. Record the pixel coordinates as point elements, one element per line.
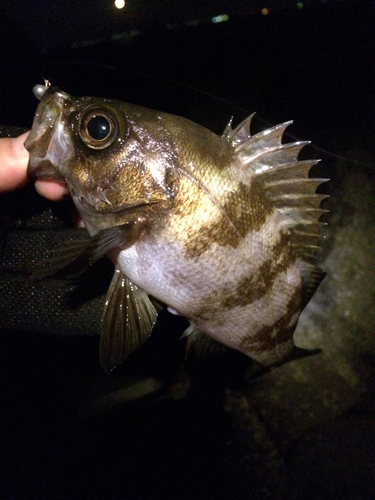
<point>285,180</point>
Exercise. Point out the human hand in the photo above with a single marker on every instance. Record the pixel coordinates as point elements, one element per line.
<point>13,170</point>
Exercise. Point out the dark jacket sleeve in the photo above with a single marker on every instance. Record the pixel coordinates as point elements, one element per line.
<point>30,227</point>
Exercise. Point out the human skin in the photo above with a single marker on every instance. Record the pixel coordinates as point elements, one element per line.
<point>13,170</point>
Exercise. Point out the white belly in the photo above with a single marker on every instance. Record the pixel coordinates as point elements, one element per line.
<point>161,267</point>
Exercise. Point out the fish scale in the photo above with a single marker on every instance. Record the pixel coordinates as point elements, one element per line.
<point>223,230</point>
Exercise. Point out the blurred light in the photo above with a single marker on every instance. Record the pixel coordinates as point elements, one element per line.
<point>220,19</point>
<point>125,34</point>
<point>299,5</point>
<point>120,4</point>
<point>192,22</point>
<point>264,11</point>
<point>120,36</point>
<point>87,43</point>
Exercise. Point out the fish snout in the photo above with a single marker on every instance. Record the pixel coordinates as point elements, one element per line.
<point>48,143</point>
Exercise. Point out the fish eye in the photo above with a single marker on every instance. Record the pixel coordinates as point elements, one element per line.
<point>98,128</point>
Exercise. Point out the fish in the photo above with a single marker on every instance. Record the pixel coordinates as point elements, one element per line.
<point>222,229</point>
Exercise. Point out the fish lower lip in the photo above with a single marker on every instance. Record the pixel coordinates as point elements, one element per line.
<point>44,169</point>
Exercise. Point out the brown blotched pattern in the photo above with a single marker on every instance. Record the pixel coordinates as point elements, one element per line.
<point>203,219</point>
<point>245,209</point>
<point>269,336</point>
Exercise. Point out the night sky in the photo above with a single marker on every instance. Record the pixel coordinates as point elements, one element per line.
<point>314,64</point>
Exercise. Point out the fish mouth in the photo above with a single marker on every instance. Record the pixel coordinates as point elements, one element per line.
<point>42,169</point>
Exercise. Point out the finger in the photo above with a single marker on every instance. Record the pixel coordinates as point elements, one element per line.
<point>13,163</point>
<point>53,190</point>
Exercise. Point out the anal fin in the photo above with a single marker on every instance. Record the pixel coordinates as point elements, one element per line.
<point>200,344</point>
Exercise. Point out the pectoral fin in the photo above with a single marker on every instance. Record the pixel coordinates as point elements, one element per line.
<point>81,251</point>
<point>128,319</point>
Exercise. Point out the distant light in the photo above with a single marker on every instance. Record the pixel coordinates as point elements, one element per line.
<point>120,4</point>
<point>125,34</point>
<point>265,11</point>
<point>220,18</point>
<point>120,36</point>
<point>299,5</point>
<point>87,43</point>
<point>192,22</point>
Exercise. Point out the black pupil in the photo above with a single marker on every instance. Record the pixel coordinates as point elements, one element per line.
<point>98,128</point>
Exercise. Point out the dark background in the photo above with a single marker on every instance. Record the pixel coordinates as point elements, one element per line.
<point>171,430</point>
<point>314,64</point>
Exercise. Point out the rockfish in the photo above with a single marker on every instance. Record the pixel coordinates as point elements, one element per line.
<point>221,229</point>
